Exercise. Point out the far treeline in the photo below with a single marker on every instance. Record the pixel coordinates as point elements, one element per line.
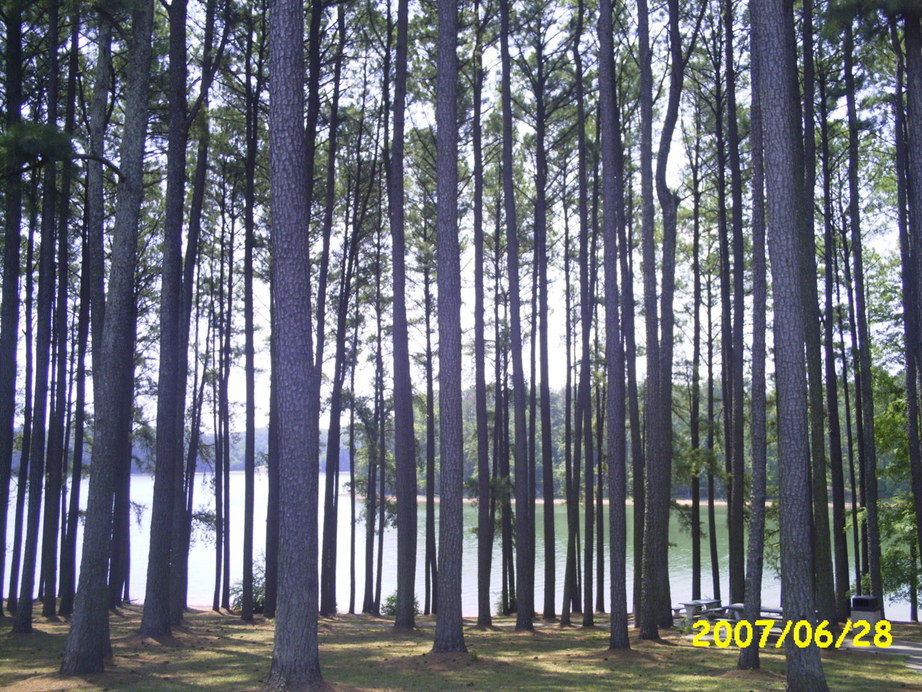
<point>589,251</point>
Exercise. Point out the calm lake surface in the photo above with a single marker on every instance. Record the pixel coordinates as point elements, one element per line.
<point>202,560</point>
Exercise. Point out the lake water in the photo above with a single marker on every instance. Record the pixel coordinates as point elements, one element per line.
<point>201,557</point>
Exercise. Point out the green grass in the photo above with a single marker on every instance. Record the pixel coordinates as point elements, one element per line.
<point>219,652</point>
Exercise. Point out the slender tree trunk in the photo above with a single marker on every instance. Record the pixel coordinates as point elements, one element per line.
<point>38,458</point>
<point>735,510</point>
<point>908,251</point>
<point>626,241</point>
<point>355,340</point>
<point>404,440</point>
<point>484,500</point>
<point>912,31</point>
<point>295,660</point>
<point>9,307</point>
<point>749,656</point>
<point>249,347</point>
<point>541,257</point>
<point>695,412</point>
<point>331,503</point>
<point>155,621</point>
<point>613,200</point>
<point>853,487</point>
<point>507,592</point>
<point>22,479</point>
<point>712,515</point>
<point>449,635</point>
<point>272,467</point>
<point>825,589</point>
<point>218,438</point>
<point>570,594</point>
<point>572,510</point>
<point>656,610</point>
<point>776,88</point>
<point>601,473</point>
<point>864,337</point>
<point>57,452</point>
<point>524,522</point>
<point>832,396</point>
<point>431,557</point>
<point>646,611</point>
<point>69,540</point>
<point>88,641</point>
<point>227,322</point>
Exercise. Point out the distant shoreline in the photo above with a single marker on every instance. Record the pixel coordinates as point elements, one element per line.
<point>685,502</point>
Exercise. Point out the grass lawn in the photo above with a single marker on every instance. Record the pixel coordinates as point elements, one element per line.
<point>219,652</point>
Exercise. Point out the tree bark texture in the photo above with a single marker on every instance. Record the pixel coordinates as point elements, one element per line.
<point>449,635</point>
<point>88,641</point>
<point>295,657</point>
<point>776,88</point>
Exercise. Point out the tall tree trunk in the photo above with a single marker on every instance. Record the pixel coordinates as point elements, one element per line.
<point>449,635</point>
<point>249,347</point>
<point>912,32</point>
<point>712,514</point>
<point>22,479</point>
<point>501,430</point>
<point>38,458</point>
<point>569,579</point>
<point>224,376</point>
<point>695,412</point>
<point>404,440</point>
<point>612,219</point>
<point>331,502</point>
<point>570,594</point>
<point>656,610</point>
<point>749,656</point>
<point>69,539</point>
<point>218,440</point>
<point>541,258</point>
<point>431,559</point>
<point>524,522</point>
<point>179,552</point>
<point>57,451</point>
<point>825,589</point>
<point>909,250</point>
<point>295,659</point>
<point>832,396</point>
<point>849,443</point>
<point>864,338</point>
<point>484,499</point>
<point>776,88</point>
<point>272,466</point>
<point>9,307</point>
<point>155,621</point>
<point>737,477</point>
<point>88,641</point>
<point>626,241</point>
<point>646,610</point>
<point>355,340</point>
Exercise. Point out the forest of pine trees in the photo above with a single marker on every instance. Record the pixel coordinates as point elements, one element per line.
<point>639,257</point>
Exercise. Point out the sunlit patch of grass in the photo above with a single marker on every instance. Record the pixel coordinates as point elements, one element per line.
<point>214,651</point>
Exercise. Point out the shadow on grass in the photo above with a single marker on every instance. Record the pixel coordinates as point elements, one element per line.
<point>212,651</point>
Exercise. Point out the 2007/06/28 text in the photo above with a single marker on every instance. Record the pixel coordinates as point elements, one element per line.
<point>803,633</point>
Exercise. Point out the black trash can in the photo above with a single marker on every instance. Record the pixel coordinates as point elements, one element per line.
<point>866,608</point>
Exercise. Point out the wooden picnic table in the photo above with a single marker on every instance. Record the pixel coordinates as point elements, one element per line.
<point>701,607</point>
<point>736,611</point>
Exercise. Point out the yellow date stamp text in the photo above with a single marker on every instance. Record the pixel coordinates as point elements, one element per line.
<point>803,633</point>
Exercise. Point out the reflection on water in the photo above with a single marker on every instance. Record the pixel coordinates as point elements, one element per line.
<point>202,554</point>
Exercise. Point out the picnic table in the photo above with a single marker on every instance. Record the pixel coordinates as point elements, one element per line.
<point>735,610</point>
<point>701,607</point>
